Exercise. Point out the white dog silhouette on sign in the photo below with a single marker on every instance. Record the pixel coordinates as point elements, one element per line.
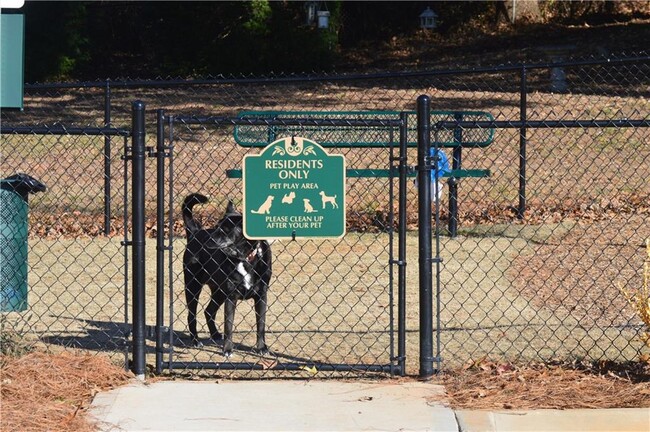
<point>288,198</point>
<point>265,208</point>
<point>308,207</point>
<point>328,199</point>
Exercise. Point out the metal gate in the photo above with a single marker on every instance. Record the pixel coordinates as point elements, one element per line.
<point>334,306</point>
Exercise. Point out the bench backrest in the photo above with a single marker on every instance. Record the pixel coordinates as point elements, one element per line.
<point>362,136</point>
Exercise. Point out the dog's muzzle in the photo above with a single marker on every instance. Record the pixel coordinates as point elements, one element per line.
<point>255,253</point>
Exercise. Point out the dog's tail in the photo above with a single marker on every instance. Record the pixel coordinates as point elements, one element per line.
<point>191,225</point>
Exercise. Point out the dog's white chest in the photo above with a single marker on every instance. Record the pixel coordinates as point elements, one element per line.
<point>248,279</point>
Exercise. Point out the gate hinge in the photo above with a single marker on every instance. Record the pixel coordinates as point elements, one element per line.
<point>394,170</point>
<point>150,331</point>
<point>398,262</point>
<point>424,167</point>
<point>126,243</point>
<point>128,153</point>
<point>435,260</point>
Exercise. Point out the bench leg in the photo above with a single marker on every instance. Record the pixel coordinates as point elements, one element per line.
<point>456,163</point>
<point>453,206</point>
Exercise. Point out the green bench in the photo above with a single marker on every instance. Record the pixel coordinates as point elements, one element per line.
<point>384,173</point>
<point>360,136</point>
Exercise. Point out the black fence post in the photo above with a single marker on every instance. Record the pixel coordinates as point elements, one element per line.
<point>401,247</point>
<point>107,160</point>
<point>424,233</point>
<point>160,235</point>
<point>521,209</point>
<point>138,224</point>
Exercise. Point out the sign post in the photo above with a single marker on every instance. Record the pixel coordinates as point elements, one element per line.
<point>294,189</point>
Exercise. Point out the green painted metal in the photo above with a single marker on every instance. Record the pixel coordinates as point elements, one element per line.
<point>13,252</point>
<point>384,173</point>
<point>12,55</point>
<point>361,136</point>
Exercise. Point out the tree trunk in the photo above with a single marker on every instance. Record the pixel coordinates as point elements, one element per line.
<point>517,10</point>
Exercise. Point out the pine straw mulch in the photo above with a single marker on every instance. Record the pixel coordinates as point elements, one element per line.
<point>50,392</point>
<point>562,385</point>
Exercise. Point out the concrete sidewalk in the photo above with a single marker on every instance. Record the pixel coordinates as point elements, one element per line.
<point>588,420</point>
<point>327,406</point>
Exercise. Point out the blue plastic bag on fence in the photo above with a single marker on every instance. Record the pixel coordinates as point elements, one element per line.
<point>442,164</point>
<point>441,167</point>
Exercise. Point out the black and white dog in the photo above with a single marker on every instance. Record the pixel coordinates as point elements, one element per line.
<point>234,267</point>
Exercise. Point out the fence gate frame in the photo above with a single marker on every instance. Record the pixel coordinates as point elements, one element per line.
<point>398,170</point>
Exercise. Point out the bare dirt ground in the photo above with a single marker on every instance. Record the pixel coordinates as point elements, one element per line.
<point>329,301</point>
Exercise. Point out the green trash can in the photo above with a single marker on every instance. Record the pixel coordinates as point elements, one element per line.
<point>14,191</point>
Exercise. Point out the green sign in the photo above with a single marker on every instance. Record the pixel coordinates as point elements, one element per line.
<point>12,53</point>
<point>294,189</point>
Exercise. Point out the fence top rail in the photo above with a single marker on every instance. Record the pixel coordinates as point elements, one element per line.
<point>539,124</point>
<point>165,83</point>
<point>345,129</point>
<point>62,130</point>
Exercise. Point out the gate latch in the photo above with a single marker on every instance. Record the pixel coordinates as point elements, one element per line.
<point>152,153</point>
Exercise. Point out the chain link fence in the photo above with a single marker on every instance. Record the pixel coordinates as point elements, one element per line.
<point>74,288</point>
<point>532,271</point>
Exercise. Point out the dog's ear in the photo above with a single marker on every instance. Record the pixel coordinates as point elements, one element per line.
<point>231,210</point>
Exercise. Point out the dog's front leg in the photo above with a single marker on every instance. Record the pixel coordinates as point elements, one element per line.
<point>260,315</point>
<point>229,310</point>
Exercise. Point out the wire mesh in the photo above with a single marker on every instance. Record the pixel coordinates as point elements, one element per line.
<point>540,287</point>
<point>75,286</point>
